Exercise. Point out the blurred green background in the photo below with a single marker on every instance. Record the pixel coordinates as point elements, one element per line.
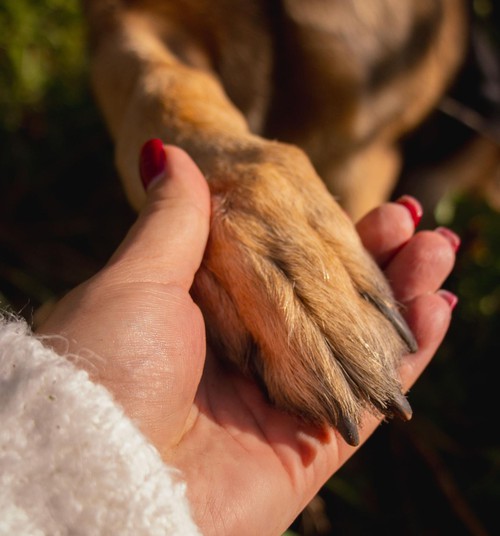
<point>63,212</point>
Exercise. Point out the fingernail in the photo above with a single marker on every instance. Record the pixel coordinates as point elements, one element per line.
<point>413,206</point>
<point>152,162</point>
<point>448,297</point>
<point>452,237</point>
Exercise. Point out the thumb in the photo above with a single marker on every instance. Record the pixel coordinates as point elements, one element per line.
<point>167,242</point>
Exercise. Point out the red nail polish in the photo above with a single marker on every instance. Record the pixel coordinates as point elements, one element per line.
<point>152,161</point>
<point>413,206</point>
<point>452,237</point>
<point>448,297</point>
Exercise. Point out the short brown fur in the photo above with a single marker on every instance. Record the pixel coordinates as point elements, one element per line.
<point>289,294</point>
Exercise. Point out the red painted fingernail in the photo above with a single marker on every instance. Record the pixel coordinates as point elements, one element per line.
<point>452,237</point>
<point>152,162</point>
<point>448,297</point>
<point>413,206</point>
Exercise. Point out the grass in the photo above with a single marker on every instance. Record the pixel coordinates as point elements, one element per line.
<point>63,213</point>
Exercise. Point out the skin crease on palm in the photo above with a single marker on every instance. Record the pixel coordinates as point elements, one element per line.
<point>249,468</point>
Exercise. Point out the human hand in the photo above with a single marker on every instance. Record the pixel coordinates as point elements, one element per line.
<point>250,468</point>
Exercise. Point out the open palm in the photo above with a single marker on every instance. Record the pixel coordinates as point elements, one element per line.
<point>250,468</point>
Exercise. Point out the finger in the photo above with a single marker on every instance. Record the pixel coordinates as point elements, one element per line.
<point>167,242</point>
<point>385,229</point>
<point>421,266</point>
<point>429,317</point>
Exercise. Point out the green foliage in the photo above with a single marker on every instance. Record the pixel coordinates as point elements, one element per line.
<point>54,152</point>
<point>42,55</point>
<point>479,283</point>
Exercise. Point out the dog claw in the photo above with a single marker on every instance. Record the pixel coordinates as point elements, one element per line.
<point>348,430</point>
<point>396,319</point>
<point>400,407</point>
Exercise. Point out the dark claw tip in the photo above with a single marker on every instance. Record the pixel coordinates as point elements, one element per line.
<point>400,407</point>
<point>348,430</point>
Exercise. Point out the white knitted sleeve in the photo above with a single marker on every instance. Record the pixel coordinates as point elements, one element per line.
<point>70,461</point>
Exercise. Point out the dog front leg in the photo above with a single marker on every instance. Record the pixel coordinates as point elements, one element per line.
<point>289,295</point>
<point>145,91</point>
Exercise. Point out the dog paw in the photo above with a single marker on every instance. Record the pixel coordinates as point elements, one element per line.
<point>292,299</point>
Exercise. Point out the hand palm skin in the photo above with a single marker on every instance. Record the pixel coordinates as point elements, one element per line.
<point>250,469</point>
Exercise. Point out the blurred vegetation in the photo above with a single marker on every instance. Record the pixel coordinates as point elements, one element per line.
<point>63,213</point>
<point>38,45</point>
<point>57,176</point>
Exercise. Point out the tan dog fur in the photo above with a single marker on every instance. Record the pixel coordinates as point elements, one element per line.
<point>289,295</point>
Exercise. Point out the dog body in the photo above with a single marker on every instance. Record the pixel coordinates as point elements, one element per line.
<point>268,96</point>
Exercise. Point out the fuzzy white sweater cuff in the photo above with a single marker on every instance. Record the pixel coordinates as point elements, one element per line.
<point>70,461</point>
